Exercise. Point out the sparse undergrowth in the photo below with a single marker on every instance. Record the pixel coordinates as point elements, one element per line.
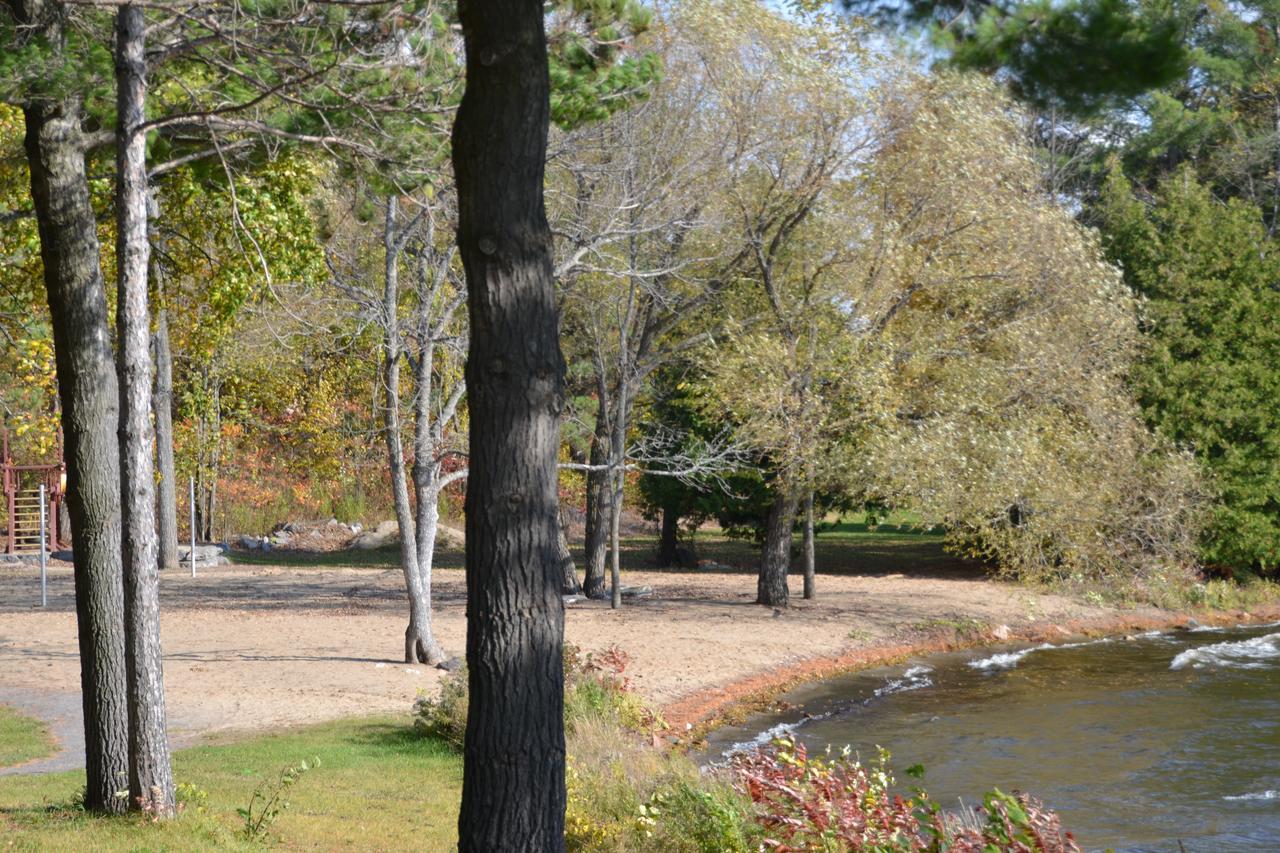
<point>626,794</point>
<point>381,787</point>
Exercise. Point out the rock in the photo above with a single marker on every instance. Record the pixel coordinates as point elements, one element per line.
<point>1000,632</point>
<point>450,537</point>
<point>249,543</point>
<point>637,591</point>
<point>386,533</point>
<point>453,664</point>
<point>356,527</point>
<point>206,555</point>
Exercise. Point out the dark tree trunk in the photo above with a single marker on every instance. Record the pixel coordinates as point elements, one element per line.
<point>668,539</point>
<point>810,581</point>
<point>167,484</point>
<point>150,775</point>
<point>776,559</point>
<point>513,791</point>
<point>88,392</point>
<point>599,509</point>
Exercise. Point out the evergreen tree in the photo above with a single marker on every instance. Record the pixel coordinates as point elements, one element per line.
<point>1210,374</point>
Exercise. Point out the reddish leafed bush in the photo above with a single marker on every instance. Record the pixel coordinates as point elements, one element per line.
<point>833,802</point>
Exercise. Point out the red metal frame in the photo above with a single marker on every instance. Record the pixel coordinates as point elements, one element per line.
<point>53,481</point>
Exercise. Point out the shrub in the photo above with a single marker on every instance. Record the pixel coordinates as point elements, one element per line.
<point>836,803</point>
<point>595,688</point>
<point>444,716</point>
<point>269,802</point>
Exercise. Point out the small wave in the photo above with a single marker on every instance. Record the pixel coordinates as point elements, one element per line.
<point>1256,795</point>
<point>1007,660</point>
<point>765,738</point>
<point>1253,653</point>
<point>915,678</point>
<point>1079,645</point>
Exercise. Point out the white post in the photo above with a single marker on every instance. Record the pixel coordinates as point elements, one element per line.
<point>192,555</point>
<point>44,584</point>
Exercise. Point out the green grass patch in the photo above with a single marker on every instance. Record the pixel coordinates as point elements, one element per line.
<point>377,558</point>
<point>22,738</point>
<point>379,786</point>
<point>900,543</point>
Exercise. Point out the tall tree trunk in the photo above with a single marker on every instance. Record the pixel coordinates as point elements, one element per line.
<point>513,791</point>
<point>615,546</point>
<point>810,580</point>
<point>669,537</point>
<point>617,465</point>
<point>427,485</point>
<point>599,507</point>
<point>564,555</point>
<point>167,483</point>
<point>150,774</point>
<point>87,388</point>
<point>419,644</point>
<point>771,589</point>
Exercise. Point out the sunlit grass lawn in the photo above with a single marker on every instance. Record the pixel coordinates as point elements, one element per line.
<point>378,787</point>
<point>22,738</point>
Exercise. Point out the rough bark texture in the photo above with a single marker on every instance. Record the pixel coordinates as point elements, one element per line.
<point>150,774</point>
<point>810,581</point>
<point>167,483</point>
<point>771,589</point>
<point>87,389</point>
<point>513,792</point>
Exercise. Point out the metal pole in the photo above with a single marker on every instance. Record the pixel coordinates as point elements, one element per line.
<point>44,583</point>
<point>192,555</point>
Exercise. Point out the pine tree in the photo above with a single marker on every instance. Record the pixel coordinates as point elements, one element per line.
<point>1210,374</point>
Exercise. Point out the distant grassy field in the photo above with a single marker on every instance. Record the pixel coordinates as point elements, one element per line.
<point>378,787</point>
<point>847,546</point>
<point>22,738</point>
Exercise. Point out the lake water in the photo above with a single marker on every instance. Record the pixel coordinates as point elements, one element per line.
<point>1138,743</point>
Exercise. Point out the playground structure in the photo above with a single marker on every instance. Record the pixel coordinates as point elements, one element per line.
<point>22,501</point>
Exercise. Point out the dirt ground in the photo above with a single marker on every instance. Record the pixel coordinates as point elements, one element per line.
<point>255,647</point>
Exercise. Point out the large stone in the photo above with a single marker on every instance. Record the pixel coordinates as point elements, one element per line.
<point>206,555</point>
<point>386,533</point>
<point>450,537</point>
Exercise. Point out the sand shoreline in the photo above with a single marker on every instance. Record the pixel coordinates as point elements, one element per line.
<point>692,717</point>
<point>252,648</point>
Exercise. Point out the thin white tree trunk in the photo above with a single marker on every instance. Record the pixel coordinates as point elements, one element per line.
<point>151,784</point>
